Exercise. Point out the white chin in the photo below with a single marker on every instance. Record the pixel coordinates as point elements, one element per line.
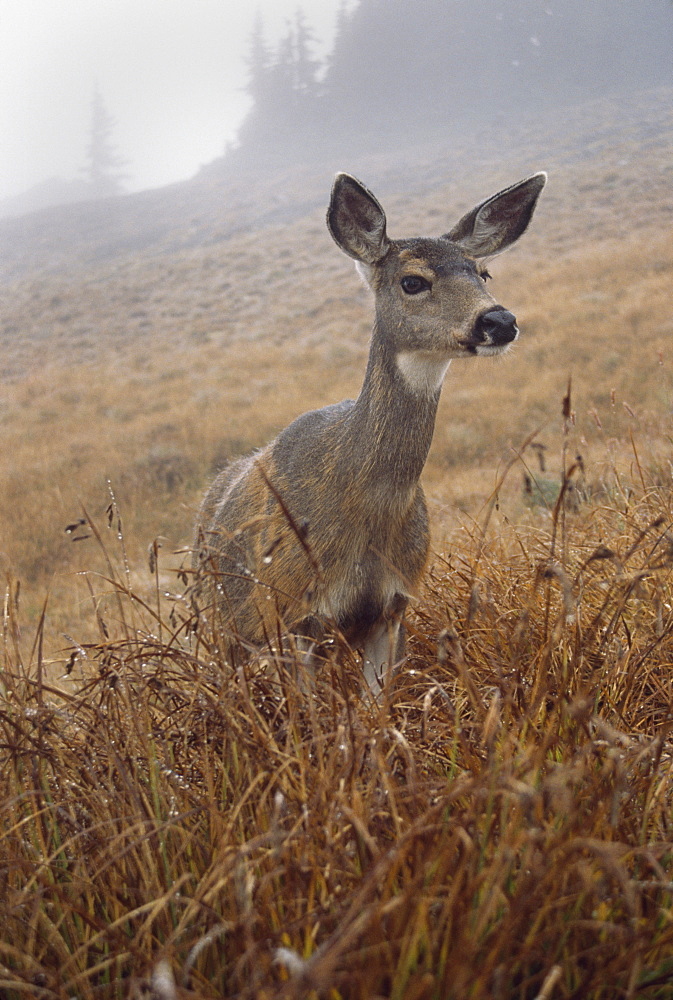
<point>488,350</point>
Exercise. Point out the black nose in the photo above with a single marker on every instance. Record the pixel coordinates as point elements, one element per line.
<point>498,326</point>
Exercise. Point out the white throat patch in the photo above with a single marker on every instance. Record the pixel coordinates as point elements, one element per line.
<point>423,372</point>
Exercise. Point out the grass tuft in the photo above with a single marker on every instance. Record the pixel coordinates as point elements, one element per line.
<point>501,827</point>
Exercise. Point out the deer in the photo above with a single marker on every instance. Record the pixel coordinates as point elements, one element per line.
<point>327,525</point>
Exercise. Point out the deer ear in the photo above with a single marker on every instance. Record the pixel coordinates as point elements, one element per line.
<point>356,220</point>
<point>499,221</point>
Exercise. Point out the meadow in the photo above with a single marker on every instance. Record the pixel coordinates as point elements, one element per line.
<point>500,826</point>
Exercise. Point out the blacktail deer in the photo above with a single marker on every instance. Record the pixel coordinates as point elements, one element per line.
<point>328,523</point>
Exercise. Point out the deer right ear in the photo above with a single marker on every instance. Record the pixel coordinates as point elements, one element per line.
<point>499,221</point>
<point>356,220</point>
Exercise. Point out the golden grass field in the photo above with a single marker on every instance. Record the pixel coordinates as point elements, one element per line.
<point>502,826</point>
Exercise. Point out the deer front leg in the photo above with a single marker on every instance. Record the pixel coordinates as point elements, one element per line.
<point>310,633</point>
<point>383,649</point>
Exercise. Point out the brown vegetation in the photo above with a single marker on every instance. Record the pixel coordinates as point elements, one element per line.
<point>501,826</point>
<point>502,822</point>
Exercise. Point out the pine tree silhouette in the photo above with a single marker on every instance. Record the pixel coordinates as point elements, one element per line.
<point>103,169</point>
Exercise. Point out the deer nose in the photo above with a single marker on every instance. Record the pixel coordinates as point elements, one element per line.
<point>498,326</point>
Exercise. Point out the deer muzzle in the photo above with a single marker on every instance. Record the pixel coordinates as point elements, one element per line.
<point>497,327</point>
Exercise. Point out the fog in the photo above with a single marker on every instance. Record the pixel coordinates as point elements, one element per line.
<point>173,76</point>
<point>171,73</point>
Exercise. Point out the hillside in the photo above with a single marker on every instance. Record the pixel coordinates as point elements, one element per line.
<point>149,339</point>
<point>221,203</point>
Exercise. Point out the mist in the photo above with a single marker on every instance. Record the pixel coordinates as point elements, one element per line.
<point>171,74</point>
<point>178,82</point>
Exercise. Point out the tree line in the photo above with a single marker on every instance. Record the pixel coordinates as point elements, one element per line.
<point>397,69</point>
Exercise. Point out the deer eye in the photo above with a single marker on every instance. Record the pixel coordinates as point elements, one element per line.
<point>485,275</point>
<point>412,284</point>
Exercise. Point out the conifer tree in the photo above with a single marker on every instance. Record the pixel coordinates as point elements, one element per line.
<point>305,66</point>
<point>259,62</point>
<point>282,84</point>
<point>103,163</point>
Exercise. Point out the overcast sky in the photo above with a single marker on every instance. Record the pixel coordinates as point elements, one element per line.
<point>169,71</point>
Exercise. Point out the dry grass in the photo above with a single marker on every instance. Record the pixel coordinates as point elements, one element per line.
<point>502,821</point>
<point>158,425</point>
<point>501,826</point>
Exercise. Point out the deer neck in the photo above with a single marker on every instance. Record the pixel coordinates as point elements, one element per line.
<point>393,418</point>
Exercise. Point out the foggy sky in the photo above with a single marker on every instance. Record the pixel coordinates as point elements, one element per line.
<point>171,73</point>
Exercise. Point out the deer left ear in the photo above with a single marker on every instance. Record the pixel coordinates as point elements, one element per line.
<point>356,220</point>
<point>499,221</point>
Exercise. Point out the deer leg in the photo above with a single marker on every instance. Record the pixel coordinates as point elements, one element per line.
<point>311,633</point>
<point>384,647</point>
